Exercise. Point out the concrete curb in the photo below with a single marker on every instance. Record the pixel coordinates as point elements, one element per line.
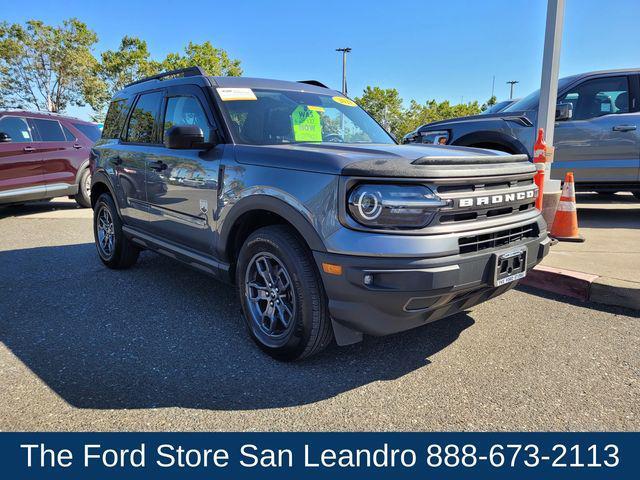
<point>585,286</point>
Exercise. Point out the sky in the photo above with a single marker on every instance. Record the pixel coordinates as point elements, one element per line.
<point>443,50</point>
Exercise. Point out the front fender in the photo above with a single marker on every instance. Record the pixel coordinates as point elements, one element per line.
<point>282,205</point>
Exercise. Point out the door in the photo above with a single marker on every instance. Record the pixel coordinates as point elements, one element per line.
<point>600,143</point>
<point>182,188</point>
<point>21,173</point>
<point>60,159</point>
<point>139,145</point>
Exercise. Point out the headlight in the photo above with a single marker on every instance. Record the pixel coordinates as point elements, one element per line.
<point>440,137</point>
<point>393,206</point>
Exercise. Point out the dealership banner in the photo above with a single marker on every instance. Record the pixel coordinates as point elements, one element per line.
<point>320,455</point>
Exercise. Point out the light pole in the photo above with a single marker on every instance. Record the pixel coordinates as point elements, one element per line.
<point>344,51</point>
<point>512,83</point>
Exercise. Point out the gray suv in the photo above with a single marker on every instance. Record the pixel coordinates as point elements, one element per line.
<point>290,191</point>
<point>596,130</point>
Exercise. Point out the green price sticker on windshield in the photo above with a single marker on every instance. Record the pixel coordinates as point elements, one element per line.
<point>306,124</point>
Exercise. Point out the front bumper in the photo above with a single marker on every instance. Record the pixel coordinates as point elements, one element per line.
<point>409,292</point>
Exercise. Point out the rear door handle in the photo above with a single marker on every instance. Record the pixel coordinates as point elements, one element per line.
<point>29,149</point>
<point>158,166</point>
<point>624,128</point>
<point>77,145</point>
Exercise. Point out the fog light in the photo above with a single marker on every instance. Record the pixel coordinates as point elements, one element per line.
<point>368,279</point>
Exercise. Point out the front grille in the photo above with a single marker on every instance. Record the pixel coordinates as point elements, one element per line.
<point>500,188</point>
<point>501,238</point>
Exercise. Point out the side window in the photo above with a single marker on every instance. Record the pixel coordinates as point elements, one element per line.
<point>16,128</point>
<point>49,130</point>
<point>185,110</point>
<point>68,134</point>
<point>143,119</point>
<point>114,121</point>
<point>597,97</point>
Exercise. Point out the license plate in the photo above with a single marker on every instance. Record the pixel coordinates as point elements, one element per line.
<point>509,266</point>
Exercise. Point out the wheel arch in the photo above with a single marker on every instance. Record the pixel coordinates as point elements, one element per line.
<point>486,139</point>
<point>100,184</point>
<point>258,211</point>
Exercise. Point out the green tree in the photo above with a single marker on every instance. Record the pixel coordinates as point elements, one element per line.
<point>385,105</point>
<point>214,61</point>
<point>432,111</point>
<point>45,67</point>
<point>131,61</point>
<point>489,103</point>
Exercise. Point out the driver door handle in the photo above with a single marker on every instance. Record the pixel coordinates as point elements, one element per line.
<point>624,128</point>
<point>29,149</point>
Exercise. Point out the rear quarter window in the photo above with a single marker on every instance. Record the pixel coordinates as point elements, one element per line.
<point>92,132</point>
<point>116,116</point>
<point>49,130</point>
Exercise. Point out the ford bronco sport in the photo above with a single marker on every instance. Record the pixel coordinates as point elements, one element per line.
<point>291,191</point>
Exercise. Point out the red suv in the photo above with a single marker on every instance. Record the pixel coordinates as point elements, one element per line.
<point>45,155</point>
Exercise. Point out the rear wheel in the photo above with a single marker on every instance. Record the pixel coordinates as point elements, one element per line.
<point>282,296</point>
<point>114,249</point>
<point>83,197</point>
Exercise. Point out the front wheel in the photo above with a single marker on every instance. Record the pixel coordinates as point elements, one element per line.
<point>282,296</point>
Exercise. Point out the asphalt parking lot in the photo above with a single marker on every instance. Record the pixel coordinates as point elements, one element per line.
<point>162,347</point>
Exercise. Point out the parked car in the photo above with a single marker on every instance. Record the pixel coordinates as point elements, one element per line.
<point>499,106</point>
<point>596,131</point>
<point>44,155</point>
<point>293,193</point>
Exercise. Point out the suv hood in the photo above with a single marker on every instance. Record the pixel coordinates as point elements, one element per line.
<point>380,160</point>
<point>489,117</point>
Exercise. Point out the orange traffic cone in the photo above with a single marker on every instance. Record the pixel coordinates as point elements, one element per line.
<point>565,223</point>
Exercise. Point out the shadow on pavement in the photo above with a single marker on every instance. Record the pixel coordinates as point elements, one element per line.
<point>161,335</point>
<point>39,206</point>
<point>608,211</point>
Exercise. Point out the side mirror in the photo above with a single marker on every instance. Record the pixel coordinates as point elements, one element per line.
<point>4,137</point>
<point>184,137</point>
<point>564,111</point>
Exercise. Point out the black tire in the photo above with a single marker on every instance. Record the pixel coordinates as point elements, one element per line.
<point>309,328</point>
<point>83,197</point>
<point>122,253</point>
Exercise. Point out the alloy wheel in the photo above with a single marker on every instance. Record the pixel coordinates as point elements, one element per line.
<point>270,296</point>
<point>106,232</point>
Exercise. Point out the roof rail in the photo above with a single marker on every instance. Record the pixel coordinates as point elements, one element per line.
<point>181,72</point>
<point>313,82</point>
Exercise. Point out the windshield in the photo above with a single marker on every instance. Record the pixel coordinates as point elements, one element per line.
<point>530,102</point>
<point>497,107</point>
<point>273,117</point>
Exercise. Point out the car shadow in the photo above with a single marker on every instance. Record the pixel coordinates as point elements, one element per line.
<point>163,335</point>
<point>37,206</point>
<point>608,211</point>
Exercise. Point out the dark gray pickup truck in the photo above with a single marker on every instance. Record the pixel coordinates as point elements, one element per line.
<point>597,130</point>
<point>290,191</point>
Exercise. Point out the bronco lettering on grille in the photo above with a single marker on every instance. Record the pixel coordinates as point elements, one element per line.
<point>487,200</point>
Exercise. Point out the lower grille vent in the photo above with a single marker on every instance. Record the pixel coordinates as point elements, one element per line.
<point>500,238</point>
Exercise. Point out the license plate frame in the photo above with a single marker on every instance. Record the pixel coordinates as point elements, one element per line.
<point>509,266</point>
